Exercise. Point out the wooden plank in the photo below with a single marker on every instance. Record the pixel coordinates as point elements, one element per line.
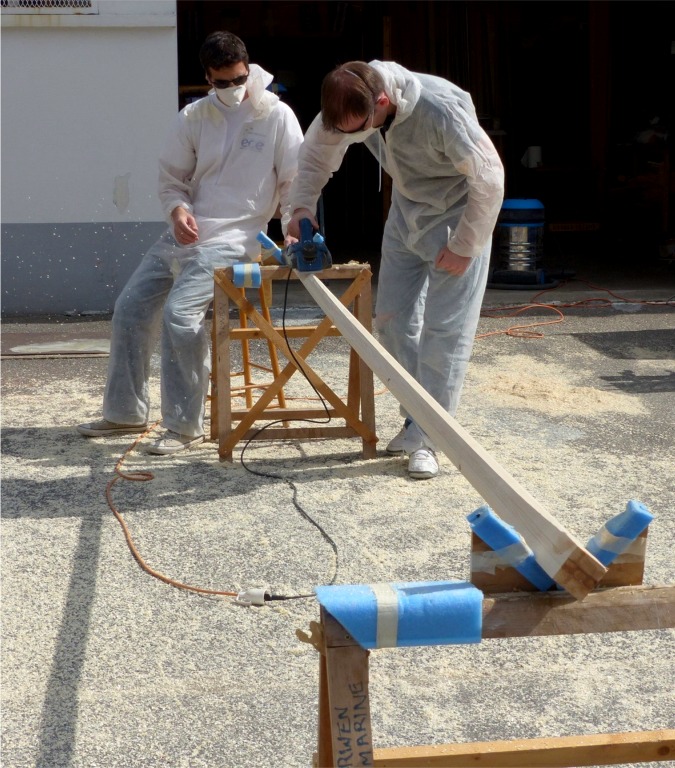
<point>245,356</point>
<point>500,578</point>
<point>348,701</point>
<point>221,422</point>
<point>324,755</point>
<point>301,433</point>
<point>629,567</point>
<point>334,634</point>
<point>292,332</point>
<point>558,553</point>
<point>336,272</point>
<point>288,414</point>
<point>619,609</point>
<point>363,311</point>
<point>548,752</point>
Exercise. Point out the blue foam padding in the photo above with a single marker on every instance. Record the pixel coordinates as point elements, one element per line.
<point>270,247</point>
<point>624,528</point>
<point>429,613</point>
<point>246,275</point>
<point>498,535</point>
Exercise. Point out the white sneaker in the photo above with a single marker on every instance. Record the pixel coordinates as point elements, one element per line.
<point>105,427</point>
<point>422,464</point>
<point>172,442</point>
<point>395,446</point>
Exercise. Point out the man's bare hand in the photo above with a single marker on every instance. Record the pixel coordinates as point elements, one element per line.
<point>452,262</point>
<point>185,228</point>
<point>294,223</point>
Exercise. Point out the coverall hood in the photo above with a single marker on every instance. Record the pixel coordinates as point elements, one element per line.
<point>262,100</point>
<point>402,90</point>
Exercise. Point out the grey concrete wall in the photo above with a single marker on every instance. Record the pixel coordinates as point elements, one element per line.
<point>60,268</point>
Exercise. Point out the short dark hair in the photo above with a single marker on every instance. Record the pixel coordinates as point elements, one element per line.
<point>222,49</point>
<point>350,90</point>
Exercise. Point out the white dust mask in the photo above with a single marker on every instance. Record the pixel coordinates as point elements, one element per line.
<point>233,96</point>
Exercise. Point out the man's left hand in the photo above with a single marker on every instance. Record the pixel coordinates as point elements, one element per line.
<point>452,262</point>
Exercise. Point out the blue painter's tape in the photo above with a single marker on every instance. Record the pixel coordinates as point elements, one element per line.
<point>509,545</point>
<point>415,613</point>
<point>617,534</point>
<point>246,275</point>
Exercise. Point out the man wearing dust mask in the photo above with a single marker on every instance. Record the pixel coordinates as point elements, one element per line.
<point>226,166</point>
<point>448,184</point>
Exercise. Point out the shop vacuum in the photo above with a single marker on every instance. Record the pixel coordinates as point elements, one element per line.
<point>518,247</point>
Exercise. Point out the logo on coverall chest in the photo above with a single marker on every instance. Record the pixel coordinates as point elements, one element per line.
<point>252,140</point>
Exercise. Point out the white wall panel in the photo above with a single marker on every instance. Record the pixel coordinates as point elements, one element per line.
<point>84,112</point>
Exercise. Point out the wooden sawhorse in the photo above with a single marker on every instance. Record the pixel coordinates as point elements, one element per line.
<point>345,734</point>
<point>358,411</point>
<point>344,727</point>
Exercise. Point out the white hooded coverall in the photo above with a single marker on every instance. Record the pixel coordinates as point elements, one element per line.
<point>448,185</point>
<point>230,167</point>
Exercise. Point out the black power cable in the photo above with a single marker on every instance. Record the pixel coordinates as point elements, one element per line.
<point>287,480</point>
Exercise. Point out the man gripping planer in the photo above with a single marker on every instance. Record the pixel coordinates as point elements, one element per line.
<point>308,254</point>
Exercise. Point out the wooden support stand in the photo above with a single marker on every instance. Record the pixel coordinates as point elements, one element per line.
<point>344,727</point>
<point>230,426</point>
<point>626,570</point>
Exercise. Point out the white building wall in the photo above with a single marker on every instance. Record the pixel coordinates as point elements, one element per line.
<point>86,102</point>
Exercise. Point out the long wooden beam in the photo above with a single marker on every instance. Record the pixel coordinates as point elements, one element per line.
<point>558,553</point>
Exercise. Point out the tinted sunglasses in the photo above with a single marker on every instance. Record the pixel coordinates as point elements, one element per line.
<point>241,80</point>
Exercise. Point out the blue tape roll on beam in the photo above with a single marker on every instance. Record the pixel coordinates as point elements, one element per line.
<point>246,275</point>
<point>617,534</point>
<point>406,614</point>
<point>508,545</point>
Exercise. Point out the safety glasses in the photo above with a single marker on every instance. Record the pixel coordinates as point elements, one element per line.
<point>241,80</point>
<point>362,127</point>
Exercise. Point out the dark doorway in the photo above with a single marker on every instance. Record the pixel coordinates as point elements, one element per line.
<point>590,82</point>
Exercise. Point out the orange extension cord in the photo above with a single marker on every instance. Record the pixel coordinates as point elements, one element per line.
<point>520,331</point>
<point>144,477</point>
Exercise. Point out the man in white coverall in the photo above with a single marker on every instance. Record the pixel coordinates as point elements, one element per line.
<point>227,165</point>
<point>448,185</point>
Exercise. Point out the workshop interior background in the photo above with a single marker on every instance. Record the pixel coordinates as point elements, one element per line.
<point>591,83</point>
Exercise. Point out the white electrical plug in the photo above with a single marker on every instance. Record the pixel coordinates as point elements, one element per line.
<point>252,596</point>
